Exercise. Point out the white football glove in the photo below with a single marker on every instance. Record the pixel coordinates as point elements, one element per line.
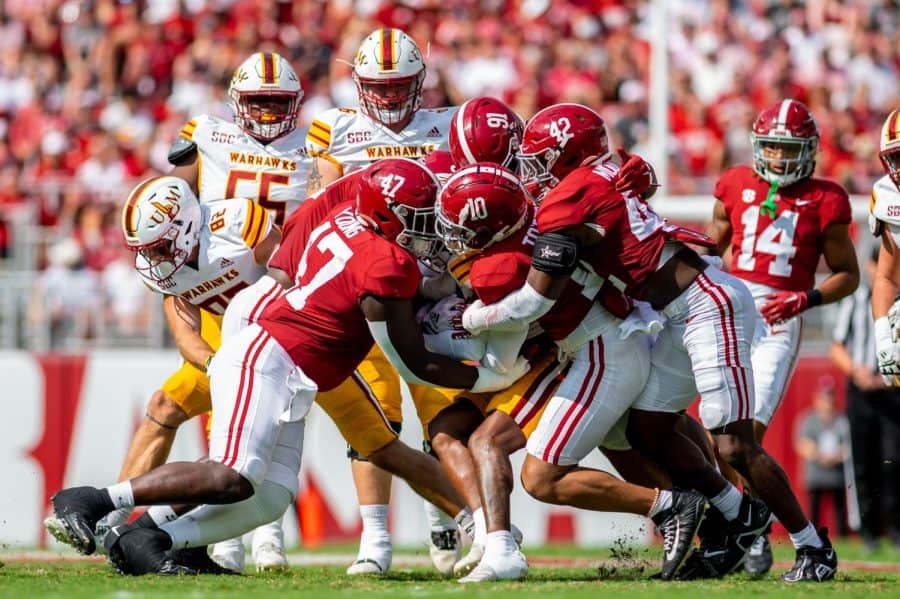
<point>444,334</point>
<point>887,350</point>
<point>491,380</point>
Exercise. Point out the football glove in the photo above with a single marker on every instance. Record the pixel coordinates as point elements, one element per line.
<point>887,351</point>
<point>636,175</point>
<point>783,305</point>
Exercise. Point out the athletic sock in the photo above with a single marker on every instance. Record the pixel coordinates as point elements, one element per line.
<point>728,502</point>
<point>160,514</point>
<point>466,523</point>
<point>663,502</point>
<point>480,537</point>
<point>499,543</point>
<point>437,519</point>
<point>375,536</point>
<point>121,494</point>
<point>806,537</point>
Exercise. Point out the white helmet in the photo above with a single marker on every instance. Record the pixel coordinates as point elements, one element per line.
<point>161,222</point>
<point>889,146</point>
<point>265,96</point>
<point>389,72</point>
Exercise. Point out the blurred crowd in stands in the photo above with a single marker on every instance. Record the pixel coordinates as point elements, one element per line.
<point>92,92</point>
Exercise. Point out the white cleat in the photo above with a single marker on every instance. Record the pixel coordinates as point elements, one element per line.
<point>471,559</point>
<point>510,567</point>
<point>445,547</point>
<point>230,554</point>
<point>269,557</point>
<point>368,567</point>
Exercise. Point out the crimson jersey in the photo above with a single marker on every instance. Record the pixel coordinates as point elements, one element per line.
<point>633,234</point>
<point>319,322</point>
<point>503,268</point>
<point>781,252</point>
<point>307,217</point>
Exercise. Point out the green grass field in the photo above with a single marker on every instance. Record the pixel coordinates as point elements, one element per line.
<point>556,572</point>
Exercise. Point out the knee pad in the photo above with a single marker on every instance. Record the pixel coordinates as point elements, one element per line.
<point>354,455</point>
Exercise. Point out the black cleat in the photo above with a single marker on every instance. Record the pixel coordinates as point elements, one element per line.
<point>141,551</point>
<point>198,560</point>
<point>814,564</point>
<point>759,558</point>
<point>678,525</point>
<point>75,514</point>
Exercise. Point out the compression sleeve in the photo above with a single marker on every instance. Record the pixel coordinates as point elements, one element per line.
<point>514,311</point>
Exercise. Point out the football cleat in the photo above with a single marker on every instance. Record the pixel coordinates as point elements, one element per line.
<point>445,548</point>
<point>197,559</point>
<point>269,557</point>
<point>469,561</point>
<point>230,554</point>
<point>76,512</point>
<point>514,566</point>
<point>142,551</point>
<point>678,525</point>
<point>759,558</point>
<point>367,566</point>
<point>814,564</point>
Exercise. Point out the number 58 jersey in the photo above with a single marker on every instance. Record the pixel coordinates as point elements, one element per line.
<point>232,164</point>
<point>229,232</point>
<point>780,251</point>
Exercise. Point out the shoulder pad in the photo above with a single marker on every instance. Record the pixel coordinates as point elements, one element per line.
<point>181,150</point>
<point>555,254</point>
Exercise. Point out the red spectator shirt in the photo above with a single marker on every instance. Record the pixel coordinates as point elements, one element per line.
<point>307,217</point>
<point>503,268</point>
<point>781,252</point>
<point>319,322</point>
<point>633,234</point>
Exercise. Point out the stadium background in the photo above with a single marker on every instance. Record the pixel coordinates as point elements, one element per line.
<point>92,94</point>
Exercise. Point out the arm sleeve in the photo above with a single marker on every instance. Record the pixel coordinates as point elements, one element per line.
<point>318,138</point>
<point>256,224</point>
<point>836,208</point>
<point>513,312</point>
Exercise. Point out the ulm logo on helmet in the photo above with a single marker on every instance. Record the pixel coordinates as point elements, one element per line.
<point>167,209</point>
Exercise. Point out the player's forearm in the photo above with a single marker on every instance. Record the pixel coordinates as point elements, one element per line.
<point>512,313</point>
<point>839,285</point>
<point>194,349</point>
<point>884,290</point>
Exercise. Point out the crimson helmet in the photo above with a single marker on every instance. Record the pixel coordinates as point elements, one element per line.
<point>396,199</point>
<point>480,204</point>
<point>889,146</point>
<point>441,164</point>
<point>789,129</point>
<point>556,141</point>
<point>485,130</point>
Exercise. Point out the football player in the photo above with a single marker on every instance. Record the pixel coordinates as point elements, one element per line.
<point>356,281</point>
<point>259,155</point>
<point>389,71</point>
<point>777,220</point>
<point>884,222</point>
<point>198,256</point>
<point>704,347</point>
<point>483,213</point>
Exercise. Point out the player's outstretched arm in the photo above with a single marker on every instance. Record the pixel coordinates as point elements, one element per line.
<point>265,249</point>
<point>184,322</point>
<point>395,330</point>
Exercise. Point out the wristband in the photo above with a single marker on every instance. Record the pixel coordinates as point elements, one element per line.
<point>813,298</point>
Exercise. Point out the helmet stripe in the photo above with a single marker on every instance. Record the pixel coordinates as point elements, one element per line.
<point>460,132</point>
<point>893,129</point>
<point>387,49</point>
<point>128,214</point>
<point>268,66</point>
<point>783,112</point>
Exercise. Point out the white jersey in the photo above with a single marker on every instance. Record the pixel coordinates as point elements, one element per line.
<point>352,140</point>
<point>884,210</point>
<point>229,232</point>
<point>232,164</point>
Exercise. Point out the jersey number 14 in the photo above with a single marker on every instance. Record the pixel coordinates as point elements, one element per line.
<point>776,240</point>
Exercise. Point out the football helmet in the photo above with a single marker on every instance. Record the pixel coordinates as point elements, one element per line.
<point>785,138</point>
<point>556,141</point>
<point>480,205</point>
<point>161,222</point>
<point>396,199</point>
<point>265,95</point>
<point>889,146</point>
<point>389,72</point>
<point>485,130</point>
